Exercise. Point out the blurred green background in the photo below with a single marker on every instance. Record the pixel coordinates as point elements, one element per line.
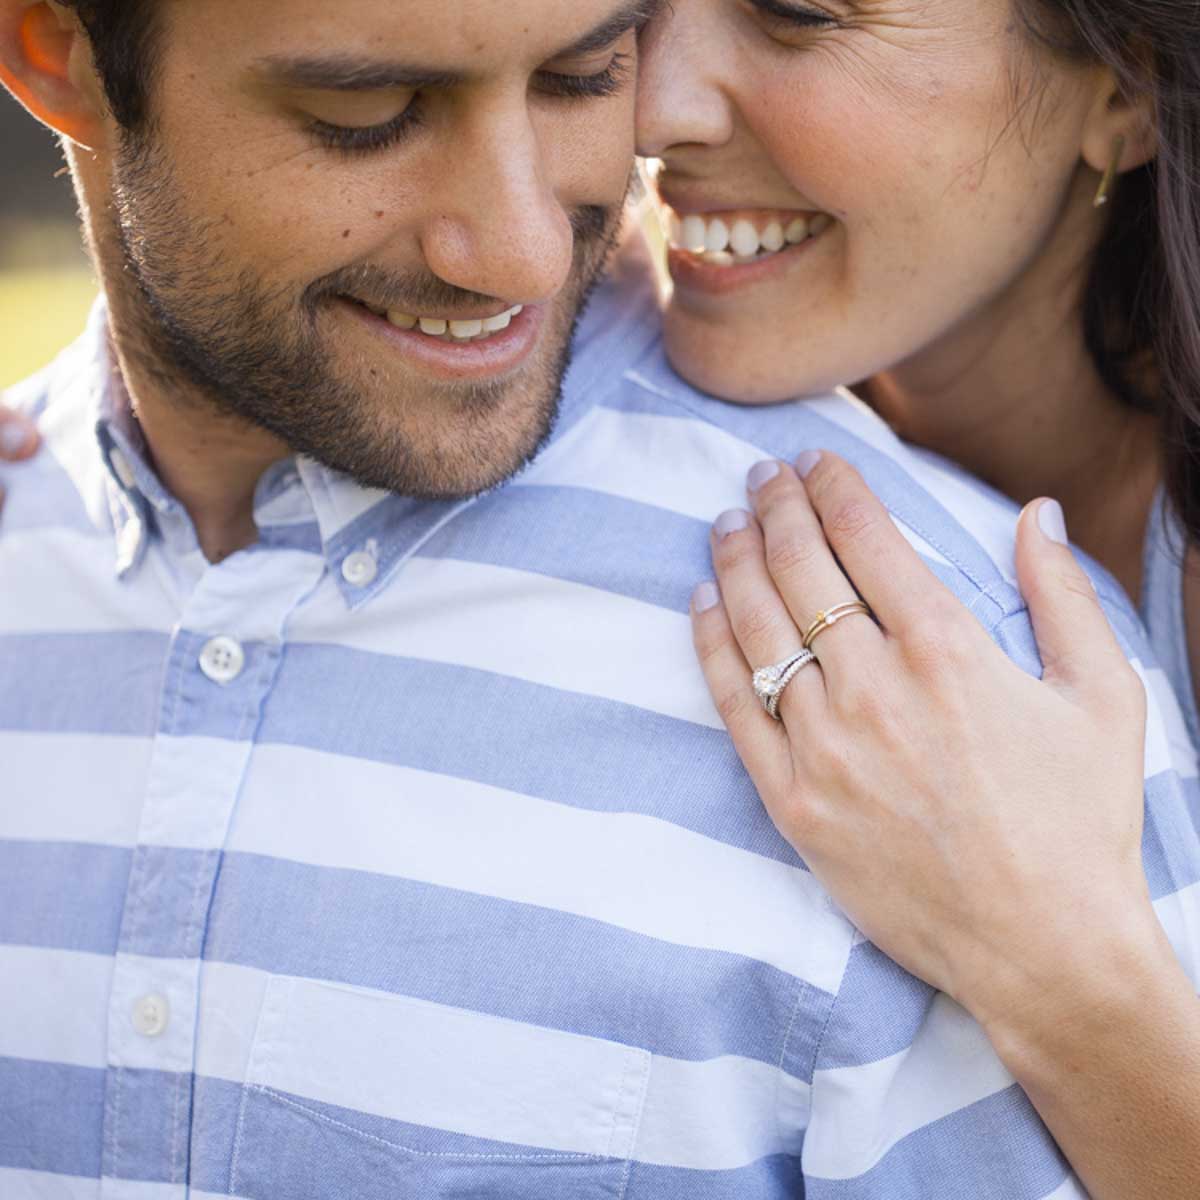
<point>46,283</point>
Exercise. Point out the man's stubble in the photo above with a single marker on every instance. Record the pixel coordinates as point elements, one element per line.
<point>202,332</point>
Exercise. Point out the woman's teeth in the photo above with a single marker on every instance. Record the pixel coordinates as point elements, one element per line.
<point>728,241</point>
<point>455,331</point>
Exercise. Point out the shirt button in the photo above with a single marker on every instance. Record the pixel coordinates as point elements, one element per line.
<point>151,1015</point>
<point>222,660</point>
<point>360,568</point>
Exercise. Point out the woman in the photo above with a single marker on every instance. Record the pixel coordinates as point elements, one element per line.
<point>990,212</point>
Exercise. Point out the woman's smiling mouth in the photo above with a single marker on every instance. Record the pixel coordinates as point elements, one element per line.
<point>715,250</point>
<point>738,237</point>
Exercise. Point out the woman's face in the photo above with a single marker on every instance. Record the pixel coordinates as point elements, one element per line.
<point>870,178</point>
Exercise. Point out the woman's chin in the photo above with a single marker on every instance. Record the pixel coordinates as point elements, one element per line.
<point>746,370</point>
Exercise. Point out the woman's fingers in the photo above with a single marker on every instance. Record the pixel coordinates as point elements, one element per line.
<point>761,742</point>
<point>762,626</point>
<point>803,568</point>
<point>1076,642</point>
<point>760,619</point>
<point>887,571</point>
<point>18,437</point>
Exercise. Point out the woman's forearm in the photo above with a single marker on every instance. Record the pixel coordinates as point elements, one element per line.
<point>1110,1057</point>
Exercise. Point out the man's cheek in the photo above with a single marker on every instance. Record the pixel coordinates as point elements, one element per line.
<point>593,157</point>
<point>612,150</point>
<point>278,236</point>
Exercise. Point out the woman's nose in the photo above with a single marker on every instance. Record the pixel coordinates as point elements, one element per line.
<point>680,97</point>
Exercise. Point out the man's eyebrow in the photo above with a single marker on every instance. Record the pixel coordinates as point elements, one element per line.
<point>341,73</point>
<point>632,16</point>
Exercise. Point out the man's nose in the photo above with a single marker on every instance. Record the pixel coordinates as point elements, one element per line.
<point>680,98</point>
<point>499,228</point>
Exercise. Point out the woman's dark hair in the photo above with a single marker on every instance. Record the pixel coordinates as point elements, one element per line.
<point>1141,306</point>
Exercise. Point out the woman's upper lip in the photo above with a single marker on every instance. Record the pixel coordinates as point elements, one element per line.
<point>686,201</point>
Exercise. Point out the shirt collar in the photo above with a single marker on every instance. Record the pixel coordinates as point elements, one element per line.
<point>299,504</point>
<point>364,535</point>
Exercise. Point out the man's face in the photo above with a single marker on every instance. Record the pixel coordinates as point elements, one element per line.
<point>312,167</point>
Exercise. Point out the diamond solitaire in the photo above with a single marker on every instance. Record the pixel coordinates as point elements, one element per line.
<point>771,682</point>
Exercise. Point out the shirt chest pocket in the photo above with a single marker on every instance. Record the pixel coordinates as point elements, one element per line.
<point>356,1094</point>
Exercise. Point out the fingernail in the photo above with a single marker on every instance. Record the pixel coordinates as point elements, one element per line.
<point>733,521</point>
<point>1052,522</point>
<point>13,438</point>
<point>707,596</point>
<point>806,462</point>
<point>762,473</point>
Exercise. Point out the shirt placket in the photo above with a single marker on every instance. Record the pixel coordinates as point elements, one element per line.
<point>221,668</point>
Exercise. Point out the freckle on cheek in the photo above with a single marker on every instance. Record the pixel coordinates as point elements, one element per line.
<point>379,215</point>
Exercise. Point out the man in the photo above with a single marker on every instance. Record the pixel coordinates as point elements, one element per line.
<point>366,830</point>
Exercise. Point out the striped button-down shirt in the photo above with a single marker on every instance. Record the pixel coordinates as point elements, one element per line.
<point>403,853</point>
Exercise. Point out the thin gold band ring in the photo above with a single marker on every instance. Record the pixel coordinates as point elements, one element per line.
<point>831,616</point>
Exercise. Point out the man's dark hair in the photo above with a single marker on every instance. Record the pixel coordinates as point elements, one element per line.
<point>122,33</point>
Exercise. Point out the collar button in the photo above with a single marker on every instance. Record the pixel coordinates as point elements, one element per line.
<point>360,569</point>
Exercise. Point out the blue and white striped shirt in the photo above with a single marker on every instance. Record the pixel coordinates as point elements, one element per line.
<point>403,854</point>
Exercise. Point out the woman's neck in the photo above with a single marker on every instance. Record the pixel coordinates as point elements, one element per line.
<point>1013,396</point>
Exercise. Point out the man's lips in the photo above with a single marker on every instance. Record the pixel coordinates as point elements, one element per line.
<point>477,358</point>
<point>457,326</point>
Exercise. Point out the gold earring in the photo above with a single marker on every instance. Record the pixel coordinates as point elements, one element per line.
<point>1110,176</point>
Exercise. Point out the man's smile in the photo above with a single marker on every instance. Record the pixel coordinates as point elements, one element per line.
<point>450,328</point>
<point>459,349</point>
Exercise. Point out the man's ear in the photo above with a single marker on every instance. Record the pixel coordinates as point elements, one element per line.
<point>45,61</point>
<point>1115,114</point>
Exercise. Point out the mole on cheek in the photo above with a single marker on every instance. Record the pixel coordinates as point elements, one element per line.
<point>379,215</point>
<point>345,233</point>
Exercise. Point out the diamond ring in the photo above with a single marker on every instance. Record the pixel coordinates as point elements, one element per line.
<point>771,682</point>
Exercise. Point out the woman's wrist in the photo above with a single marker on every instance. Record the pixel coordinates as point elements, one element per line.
<point>1049,1025</point>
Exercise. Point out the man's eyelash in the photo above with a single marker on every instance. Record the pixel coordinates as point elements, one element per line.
<point>350,139</point>
<point>585,87</point>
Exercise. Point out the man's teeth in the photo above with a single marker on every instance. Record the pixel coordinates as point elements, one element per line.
<point>455,331</point>
<point>725,242</point>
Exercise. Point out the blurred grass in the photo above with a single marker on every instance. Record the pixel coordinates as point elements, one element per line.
<point>41,311</point>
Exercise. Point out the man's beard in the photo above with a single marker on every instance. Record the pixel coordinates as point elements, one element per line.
<point>257,353</point>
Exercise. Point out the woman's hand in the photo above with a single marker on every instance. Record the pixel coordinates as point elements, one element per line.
<point>980,826</point>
